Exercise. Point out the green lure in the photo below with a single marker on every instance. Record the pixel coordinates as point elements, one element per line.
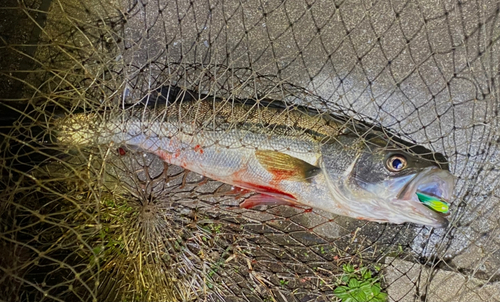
<point>433,203</point>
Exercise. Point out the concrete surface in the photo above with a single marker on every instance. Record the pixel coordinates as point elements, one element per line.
<point>409,281</point>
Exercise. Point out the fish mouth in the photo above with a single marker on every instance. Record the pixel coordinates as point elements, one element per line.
<point>437,184</point>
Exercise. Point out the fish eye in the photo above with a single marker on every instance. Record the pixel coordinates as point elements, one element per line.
<point>396,163</point>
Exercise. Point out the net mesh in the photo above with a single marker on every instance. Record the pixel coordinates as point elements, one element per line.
<point>104,223</point>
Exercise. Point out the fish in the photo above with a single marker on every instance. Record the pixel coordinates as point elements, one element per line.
<point>287,153</point>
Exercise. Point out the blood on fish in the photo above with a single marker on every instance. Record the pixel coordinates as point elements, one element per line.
<point>165,156</point>
<point>198,148</point>
<point>121,151</point>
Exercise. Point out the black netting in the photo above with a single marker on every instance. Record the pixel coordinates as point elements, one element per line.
<point>105,222</point>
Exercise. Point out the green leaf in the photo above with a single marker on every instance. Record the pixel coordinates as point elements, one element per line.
<point>360,296</point>
<point>97,250</point>
<point>341,292</point>
<point>340,289</point>
<point>367,275</point>
<point>367,289</point>
<point>348,268</point>
<point>345,279</point>
<point>353,283</point>
<point>382,297</point>
<point>375,289</point>
<point>343,296</point>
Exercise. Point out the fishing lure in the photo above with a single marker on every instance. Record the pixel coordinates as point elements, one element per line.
<point>434,203</point>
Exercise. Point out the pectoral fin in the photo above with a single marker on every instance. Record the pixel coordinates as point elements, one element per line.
<point>286,167</point>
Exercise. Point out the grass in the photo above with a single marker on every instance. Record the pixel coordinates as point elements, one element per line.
<point>283,282</point>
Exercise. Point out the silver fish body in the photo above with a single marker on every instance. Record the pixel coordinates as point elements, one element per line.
<point>288,154</point>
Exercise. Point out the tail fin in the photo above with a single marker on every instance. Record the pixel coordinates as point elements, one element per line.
<point>27,136</point>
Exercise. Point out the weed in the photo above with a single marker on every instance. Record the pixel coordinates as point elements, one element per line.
<point>216,228</point>
<point>358,285</point>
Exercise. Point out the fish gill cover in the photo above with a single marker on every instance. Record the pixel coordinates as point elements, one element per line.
<point>109,223</point>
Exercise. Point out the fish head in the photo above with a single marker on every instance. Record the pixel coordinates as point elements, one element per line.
<point>381,184</point>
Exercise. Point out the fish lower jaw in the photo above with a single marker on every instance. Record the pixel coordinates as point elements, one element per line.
<point>381,210</point>
<point>418,213</point>
<point>394,212</point>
